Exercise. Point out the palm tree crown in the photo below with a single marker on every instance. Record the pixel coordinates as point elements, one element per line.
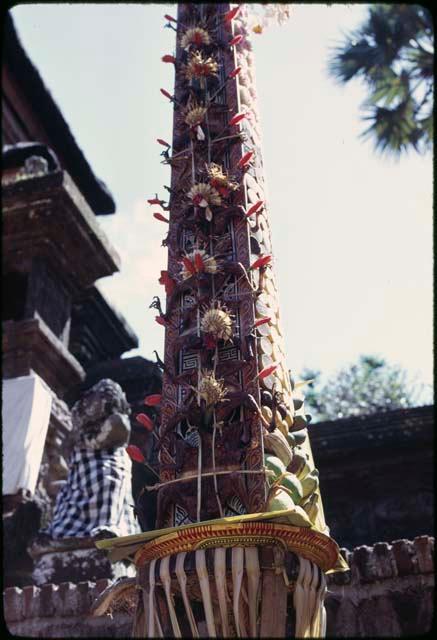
<point>393,53</point>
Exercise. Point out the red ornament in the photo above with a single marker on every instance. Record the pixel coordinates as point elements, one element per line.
<point>170,18</point>
<point>189,266</point>
<point>230,15</point>
<point>267,371</point>
<point>235,40</point>
<point>168,282</point>
<point>198,39</point>
<point>145,421</point>
<point>262,261</point>
<point>163,142</point>
<point>160,217</point>
<point>153,400</point>
<point>236,119</point>
<point>223,191</point>
<point>261,321</point>
<point>197,199</point>
<point>254,208</point>
<point>209,342</point>
<point>168,58</point>
<point>135,454</point>
<point>166,94</point>
<point>198,262</point>
<point>244,160</point>
<point>235,72</point>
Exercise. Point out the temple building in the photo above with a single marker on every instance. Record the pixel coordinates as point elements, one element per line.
<point>58,328</point>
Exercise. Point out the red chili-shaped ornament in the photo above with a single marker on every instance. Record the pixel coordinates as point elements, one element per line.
<point>235,72</point>
<point>145,421</point>
<point>267,371</point>
<point>235,40</point>
<point>254,208</point>
<point>244,161</point>
<point>160,217</point>
<point>261,321</point>
<point>135,454</point>
<point>262,261</point>
<point>236,119</point>
<point>153,400</point>
<point>230,15</point>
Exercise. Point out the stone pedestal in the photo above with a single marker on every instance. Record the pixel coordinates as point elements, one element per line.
<point>58,561</point>
<point>23,515</point>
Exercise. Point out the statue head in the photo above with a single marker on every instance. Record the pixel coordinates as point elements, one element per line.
<point>100,417</point>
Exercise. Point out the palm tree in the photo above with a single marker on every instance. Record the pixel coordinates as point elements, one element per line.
<point>393,53</point>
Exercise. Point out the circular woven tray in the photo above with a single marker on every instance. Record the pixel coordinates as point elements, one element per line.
<point>307,543</point>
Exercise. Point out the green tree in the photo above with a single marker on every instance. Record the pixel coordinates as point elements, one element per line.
<point>393,53</point>
<point>368,386</point>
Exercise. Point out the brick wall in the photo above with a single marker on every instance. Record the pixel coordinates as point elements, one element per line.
<point>61,611</point>
<point>388,592</point>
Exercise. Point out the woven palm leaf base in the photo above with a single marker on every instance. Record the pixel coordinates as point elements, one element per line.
<point>245,580</point>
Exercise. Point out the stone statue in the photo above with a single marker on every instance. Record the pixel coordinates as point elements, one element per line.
<point>96,500</point>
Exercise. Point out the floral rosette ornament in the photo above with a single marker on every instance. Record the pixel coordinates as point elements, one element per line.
<point>220,181</point>
<point>210,389</point>
<point>194,116</point>
<point>200,68</point>
<point>198,261</point>
<point>217,324</point>
<point>195,36</point>
<point>204,195</point>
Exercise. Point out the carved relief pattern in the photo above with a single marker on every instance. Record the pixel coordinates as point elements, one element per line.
<point>239,296</point>
<point>235,242</point>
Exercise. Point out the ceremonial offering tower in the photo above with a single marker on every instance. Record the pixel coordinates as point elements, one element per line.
<point>241,544</point>
<point>227,396</point>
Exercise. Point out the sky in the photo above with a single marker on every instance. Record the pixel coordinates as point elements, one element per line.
<point>352,232</point>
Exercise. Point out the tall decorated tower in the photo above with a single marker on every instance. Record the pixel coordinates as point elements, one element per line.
<point>241,546</point>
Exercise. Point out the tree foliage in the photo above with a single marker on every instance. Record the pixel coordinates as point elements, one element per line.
<point>393,53</point>
<point>368,386</point>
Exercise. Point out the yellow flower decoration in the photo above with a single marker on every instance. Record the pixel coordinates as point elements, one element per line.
<point>217,322</point>
<point>194,115</point>
<point>210,389</point>
<point>219,180</point>
<point>200,67</point>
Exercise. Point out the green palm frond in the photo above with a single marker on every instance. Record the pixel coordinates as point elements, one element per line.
<point>352,60</point>
<point>422,63</point>
<point>389,88</point>
<point>427,126</point>
<point>393,53</point>
<point>393,130</point>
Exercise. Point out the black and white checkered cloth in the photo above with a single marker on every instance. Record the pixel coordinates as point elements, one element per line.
<point>96,497</point>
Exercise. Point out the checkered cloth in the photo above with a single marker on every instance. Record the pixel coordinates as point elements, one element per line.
<point>96,497</point>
